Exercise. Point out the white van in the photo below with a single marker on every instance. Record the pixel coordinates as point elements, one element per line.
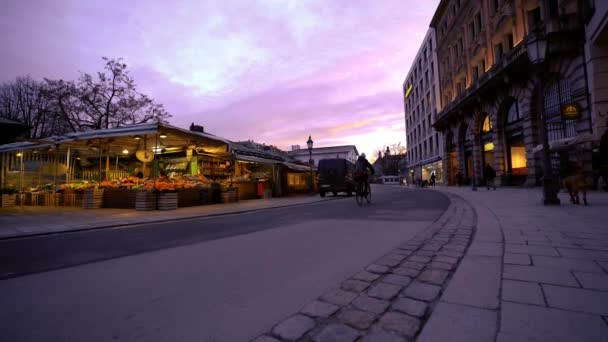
<point>394,180</point>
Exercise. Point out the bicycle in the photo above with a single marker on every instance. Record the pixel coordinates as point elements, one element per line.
<point>361,194</point>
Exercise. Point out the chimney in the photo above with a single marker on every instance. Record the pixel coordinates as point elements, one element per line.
<point>197,128</point>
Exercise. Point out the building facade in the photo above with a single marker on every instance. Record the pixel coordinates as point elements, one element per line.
<point>491,94</point>
<point>348,152</point>
<point>421,103</point>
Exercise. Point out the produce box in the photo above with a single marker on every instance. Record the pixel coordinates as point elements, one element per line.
<point>145,200</point>
<point>93,198</point>
<point>167,201</point>
<point>9,201</point>
<point>119,198</point>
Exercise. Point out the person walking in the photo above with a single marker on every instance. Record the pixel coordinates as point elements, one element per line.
<point>433,179</point>
<point>489,174</point>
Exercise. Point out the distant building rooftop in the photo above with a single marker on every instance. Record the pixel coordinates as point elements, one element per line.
<point>329,149</point>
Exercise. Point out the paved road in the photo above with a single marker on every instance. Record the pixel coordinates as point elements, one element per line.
<point>217,279</point>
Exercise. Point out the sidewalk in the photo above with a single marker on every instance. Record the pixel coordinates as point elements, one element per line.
<point>532,272</point>
<point>27,221</point>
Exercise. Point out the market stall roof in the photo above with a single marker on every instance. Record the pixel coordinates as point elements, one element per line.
<point>254,159</point>
<point>297,167</point>
<point>24,145</point>
<point>122,138</point>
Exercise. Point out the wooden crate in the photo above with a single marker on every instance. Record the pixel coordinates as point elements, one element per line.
<point>9,201</point>
<point>230,196</point>
<point>145,200</point>
<point>167,201</point>
<point>52,200</point>
<point>93,199</point>
<point>119,198</point>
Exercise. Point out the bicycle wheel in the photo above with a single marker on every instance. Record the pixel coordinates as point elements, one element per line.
<point>359,194</point>
<point>368,196</point>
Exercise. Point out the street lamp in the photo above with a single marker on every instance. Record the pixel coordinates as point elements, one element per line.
<point>309,144</point>
<point>536,47</point>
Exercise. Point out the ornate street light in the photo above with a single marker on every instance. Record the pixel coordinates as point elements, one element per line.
<point>536,47</point>
<point>309,143</point>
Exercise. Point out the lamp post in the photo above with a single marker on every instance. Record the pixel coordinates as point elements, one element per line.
<point>309,144</point>
<point>536,47</point>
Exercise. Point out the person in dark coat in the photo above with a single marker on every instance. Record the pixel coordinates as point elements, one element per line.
<point>489,174</point>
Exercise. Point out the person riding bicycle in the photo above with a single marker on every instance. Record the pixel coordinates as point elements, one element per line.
<point>361,171</point>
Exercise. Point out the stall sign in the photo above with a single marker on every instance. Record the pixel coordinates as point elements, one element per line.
<point>571,111</point>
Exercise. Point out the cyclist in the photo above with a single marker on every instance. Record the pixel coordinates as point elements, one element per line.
<point>361,171</point>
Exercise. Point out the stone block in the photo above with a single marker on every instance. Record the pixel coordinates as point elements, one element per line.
<point>410,306</point>
<point>366,276</point>
<point>583,254</point>
<point>294,327</point>
<point>539,274</point>
<point>530,250</point>
<point>476,282</point>
<point>421,291</point>
<point>354,285</point>
<point>446,259</point>
<point>396,279</point>
<point>440,266</point>
<point>400,323</point>
<point>452,254</point>
<point>319,309</point>
<point>371,304</point>
<point>432,247</point>
<point>582,300</point>
<point>378,269</point>
<point>493,249</point>
<point>460,323</point>
<point>522,292</point>
<point>517,259</point>
<point>336,333</point>
<point>419,258</point>
<point>412,264</point>
<point>409,272</point>
<point>453,248</point>
<point>338,297</point>
<point>433,276</point>
<point>425,253</point>
<point>569,264</point>
<point>542,323</point>
<point>384,291</point>
<point>266,339</point>
<point>592,280</point>
<point>357,318</point>
<point>379,335</point>
<point>388,261</point>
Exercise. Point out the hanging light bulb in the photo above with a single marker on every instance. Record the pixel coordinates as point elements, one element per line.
<point>137,137</point>
<point>163,135</point>
<point>125,151</point>
<point>19,154</point>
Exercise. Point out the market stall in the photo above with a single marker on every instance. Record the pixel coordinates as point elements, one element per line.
<point>159,165</point>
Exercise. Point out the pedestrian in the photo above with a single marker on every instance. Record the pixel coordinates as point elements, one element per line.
<point>433,179</point>
<point>489,174</point>
<point>459,178</point>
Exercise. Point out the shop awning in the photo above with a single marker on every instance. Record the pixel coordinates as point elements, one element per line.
<point>296,167</point>
<point>430,160</point>
<point>568,142</point>
<point>253,159</point>
<point>25,145</point>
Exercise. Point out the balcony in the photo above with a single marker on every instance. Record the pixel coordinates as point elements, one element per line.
<point>517,54</point>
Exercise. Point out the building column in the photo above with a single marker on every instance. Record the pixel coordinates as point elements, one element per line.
<point>477,164</point>
<point>533,163</point>
<point>500,165</point>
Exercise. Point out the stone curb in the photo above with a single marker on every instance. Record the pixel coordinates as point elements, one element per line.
<point>173,219</point>
<point>392,298</point>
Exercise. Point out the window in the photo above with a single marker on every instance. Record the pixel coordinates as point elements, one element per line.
<point>436,141</point>
<point>486,126</point>
<point>510,41</point>
<point>432,68</point>
<point>429,121</point>
<point>498,52</point>
<point>478,23</point>
<point>431,145</point>
<point>458,88</point>
<point>483,65</point>
<point>513,113</point>
<point>472,32</point>
<point>553,8</point>
<point>534,18</point>
<point>475,73</point>
<point>424,125</point>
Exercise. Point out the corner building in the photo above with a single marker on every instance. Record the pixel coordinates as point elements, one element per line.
<point>421,104</point>
<point>489,88</point>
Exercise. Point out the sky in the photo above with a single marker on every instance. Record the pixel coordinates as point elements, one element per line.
<point>274,71</point>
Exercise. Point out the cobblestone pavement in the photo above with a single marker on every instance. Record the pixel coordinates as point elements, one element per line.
<point>392,298</point>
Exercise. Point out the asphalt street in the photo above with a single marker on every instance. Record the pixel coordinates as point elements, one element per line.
<point>224,278</point>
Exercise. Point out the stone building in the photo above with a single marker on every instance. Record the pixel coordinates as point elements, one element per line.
<point>490,89</point>
<point>421,103</point>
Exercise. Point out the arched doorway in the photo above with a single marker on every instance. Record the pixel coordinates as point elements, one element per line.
<point>468,143</point>
<point>516,161</point>
<point>487,141</point>
<point>452,158</point>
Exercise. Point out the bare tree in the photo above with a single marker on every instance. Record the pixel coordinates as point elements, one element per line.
<point>111,100</point>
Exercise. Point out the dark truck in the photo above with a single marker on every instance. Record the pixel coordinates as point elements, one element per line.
<point>336,175</point>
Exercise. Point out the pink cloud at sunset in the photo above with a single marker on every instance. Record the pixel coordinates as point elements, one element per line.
<point>270,70</point>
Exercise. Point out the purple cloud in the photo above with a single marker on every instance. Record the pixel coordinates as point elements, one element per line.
<point>270,70</point>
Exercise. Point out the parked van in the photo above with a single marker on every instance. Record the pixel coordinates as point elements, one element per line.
<point>336,175</point>
<point>390,180</point>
